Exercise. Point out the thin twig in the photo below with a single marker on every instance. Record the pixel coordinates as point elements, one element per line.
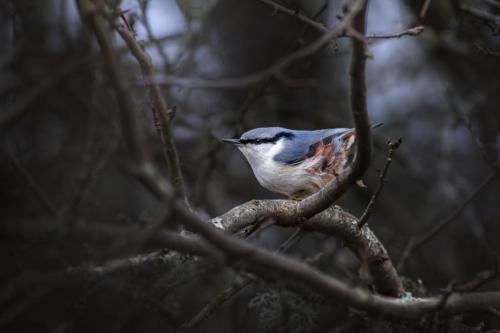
<point>272,70</point>
<point>486,50</point>
<point>239,283</point>
<point>393,146</point>
<point>186,279</point>
<point>457,106</point>
<point>424,9</point>
<point>494,311</point>
<point>280,8</point>
<point>417,242</point>
<point>32,184</point>
<point>12,114</point>
<point>160,110</point>
<point>479,280</point>
<point>290,241</point>
<point>415,31</point>
<point>88,177</point>
<point>466,119</point>
<point>480,14</point>
<point>493,3</point>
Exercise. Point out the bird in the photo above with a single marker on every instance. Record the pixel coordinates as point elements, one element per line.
<point>298,163</point>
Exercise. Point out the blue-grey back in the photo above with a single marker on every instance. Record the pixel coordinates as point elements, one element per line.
<point>296,148</point>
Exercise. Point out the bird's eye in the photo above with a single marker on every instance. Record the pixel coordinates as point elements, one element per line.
<point>258,140</point>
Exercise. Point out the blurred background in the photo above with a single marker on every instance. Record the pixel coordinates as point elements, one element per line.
<point>68,199</point>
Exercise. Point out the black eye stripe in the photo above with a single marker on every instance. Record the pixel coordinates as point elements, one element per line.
<point>286,135</point>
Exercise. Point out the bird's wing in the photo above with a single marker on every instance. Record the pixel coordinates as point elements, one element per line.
<point>306,144</point>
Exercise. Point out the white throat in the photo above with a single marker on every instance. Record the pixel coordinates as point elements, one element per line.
<point>261,159</point>
<point>261,155</point>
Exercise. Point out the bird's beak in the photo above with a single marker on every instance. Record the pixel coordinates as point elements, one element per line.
<point>232,141</point>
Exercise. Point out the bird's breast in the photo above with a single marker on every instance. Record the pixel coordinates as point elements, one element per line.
<point>287,179</point>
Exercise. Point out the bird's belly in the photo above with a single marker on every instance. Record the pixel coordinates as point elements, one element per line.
<point>291,180</point>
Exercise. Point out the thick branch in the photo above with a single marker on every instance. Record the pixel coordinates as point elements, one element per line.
<point>290,271</point>
<point>358,98</point>
<point>333,221</point>
<point>273,265</point>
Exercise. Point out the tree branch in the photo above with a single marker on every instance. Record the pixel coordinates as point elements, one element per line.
<point>341,28</point>
<point>159,108</point>
<point>417,242</point>
<point>393,145</point>
<point>358,98</point>
<point>333,221</point>
<point>415,31</point>
<point>280,8</point>
<point>273,266</point>
<point>33,185</point>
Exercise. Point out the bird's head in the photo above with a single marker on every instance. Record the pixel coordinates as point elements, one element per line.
<point>261,144</point>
